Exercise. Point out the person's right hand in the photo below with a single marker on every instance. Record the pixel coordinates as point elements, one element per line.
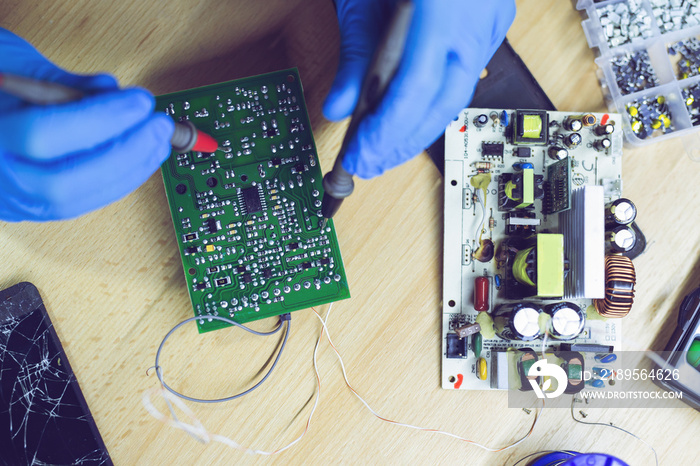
<point>61,161</point>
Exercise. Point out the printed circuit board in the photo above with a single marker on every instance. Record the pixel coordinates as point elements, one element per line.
<point>535,234</point>
<point>248,217</point>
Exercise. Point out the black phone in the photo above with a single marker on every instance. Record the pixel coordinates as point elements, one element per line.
<point>44,418</point>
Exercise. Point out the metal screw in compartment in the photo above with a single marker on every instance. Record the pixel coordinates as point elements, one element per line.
<point>691,97</point>
<point>623,22</point>
<point>672,15</point>
<point>649,116</point>
<point>689,61</point>
<point>633,72</point>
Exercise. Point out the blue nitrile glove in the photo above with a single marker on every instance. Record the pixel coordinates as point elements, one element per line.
<point>449,44</point>
<point>61,161</point>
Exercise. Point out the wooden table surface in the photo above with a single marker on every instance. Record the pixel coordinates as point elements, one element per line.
<point>113,283</point>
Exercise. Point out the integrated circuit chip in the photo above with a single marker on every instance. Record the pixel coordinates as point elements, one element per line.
<point>248,217</point>
<point>250,197</point>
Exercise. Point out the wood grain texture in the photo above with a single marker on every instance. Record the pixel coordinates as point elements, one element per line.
<point>113,284</point>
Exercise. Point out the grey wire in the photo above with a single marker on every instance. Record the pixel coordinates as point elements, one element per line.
<point>573,400</point>
<point>568,452</point>
<point>159,372</point>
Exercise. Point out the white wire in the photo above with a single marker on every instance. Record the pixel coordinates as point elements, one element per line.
<point>410,426</point>
<point>199,432</point>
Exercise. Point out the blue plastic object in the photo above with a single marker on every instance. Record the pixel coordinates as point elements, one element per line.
<point>504,118</point>
<point>448,46</point>
<point>572,458</point>
<point>596,383</point>
<point>61,161</point>
<point>606,358</point>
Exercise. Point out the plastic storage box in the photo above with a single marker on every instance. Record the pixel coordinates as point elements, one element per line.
<point>648,66</point>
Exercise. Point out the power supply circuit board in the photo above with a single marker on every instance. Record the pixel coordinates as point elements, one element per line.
<point>247,217</point>
<point>528,195</point>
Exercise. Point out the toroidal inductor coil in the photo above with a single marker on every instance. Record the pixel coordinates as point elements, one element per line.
<point>619,287</point>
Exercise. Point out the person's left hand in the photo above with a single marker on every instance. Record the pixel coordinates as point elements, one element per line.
<point>449,44</point>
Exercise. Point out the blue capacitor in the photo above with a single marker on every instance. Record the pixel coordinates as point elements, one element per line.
<point>504,118</point>
<point>522,165</point>
<point>596,383</point>
<point>606,358</point>
<point>497,280</point>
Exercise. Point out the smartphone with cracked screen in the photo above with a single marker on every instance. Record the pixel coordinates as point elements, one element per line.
<point>44,418</point>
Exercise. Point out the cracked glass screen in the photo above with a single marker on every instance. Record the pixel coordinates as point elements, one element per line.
<point>44,418</point>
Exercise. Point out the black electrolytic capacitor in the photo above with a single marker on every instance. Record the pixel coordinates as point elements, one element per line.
<point>620,212</point>
<point>567,321</point>
<point>620,239</point>
<point>604,130</point>
<point>518,321</point>
<point>573,140</point>
<point>481,120</point>
<point>558,153</point>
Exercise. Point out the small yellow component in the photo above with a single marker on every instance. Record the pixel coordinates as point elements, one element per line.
<point>532,126</point>
<point>232,232</point>
<point>660,99</point>
<point>632,110</point>
<point>249,222</point>
<point>684,76</point>
<point>689,101</point>
<point>481,369</point>
<point>205,216</point>
<point>274,198</point>
<point>665,120</point>
<point>210,248</point>
<point>636,126</point>
<point>277,207</point>
<point>273,191</point>
<point>656,124</point>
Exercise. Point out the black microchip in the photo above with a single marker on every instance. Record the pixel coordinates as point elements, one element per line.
<point>240,269</point>
<point>523,152</point>
<point>300,168</point>
<point>213,225</point>
<point>191,250</point>
<point>251,200</point>
<point>492,149</point>
<point>293,246</point>
<point>306,265</point>
<point>276,161</point>
<point>267,273</point>
<point>325,261</point>
<point>201,286</point>
<point>247,278</point>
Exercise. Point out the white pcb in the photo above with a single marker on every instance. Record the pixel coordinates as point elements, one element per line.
<point>588,176</point>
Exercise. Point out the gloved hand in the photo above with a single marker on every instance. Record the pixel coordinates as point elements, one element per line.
<point>61,161</point>
<point>449,44</point>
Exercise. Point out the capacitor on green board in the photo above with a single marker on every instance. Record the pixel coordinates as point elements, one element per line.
<point>477,344</point>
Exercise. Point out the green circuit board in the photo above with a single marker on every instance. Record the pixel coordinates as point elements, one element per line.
<point>248,217</point>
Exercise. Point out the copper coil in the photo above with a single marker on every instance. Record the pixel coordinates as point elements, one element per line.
<point>619,287</point>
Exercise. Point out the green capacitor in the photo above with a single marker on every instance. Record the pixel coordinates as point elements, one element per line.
<point>477,343</point>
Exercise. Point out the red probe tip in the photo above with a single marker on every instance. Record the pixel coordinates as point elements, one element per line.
<point>205,143</point>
